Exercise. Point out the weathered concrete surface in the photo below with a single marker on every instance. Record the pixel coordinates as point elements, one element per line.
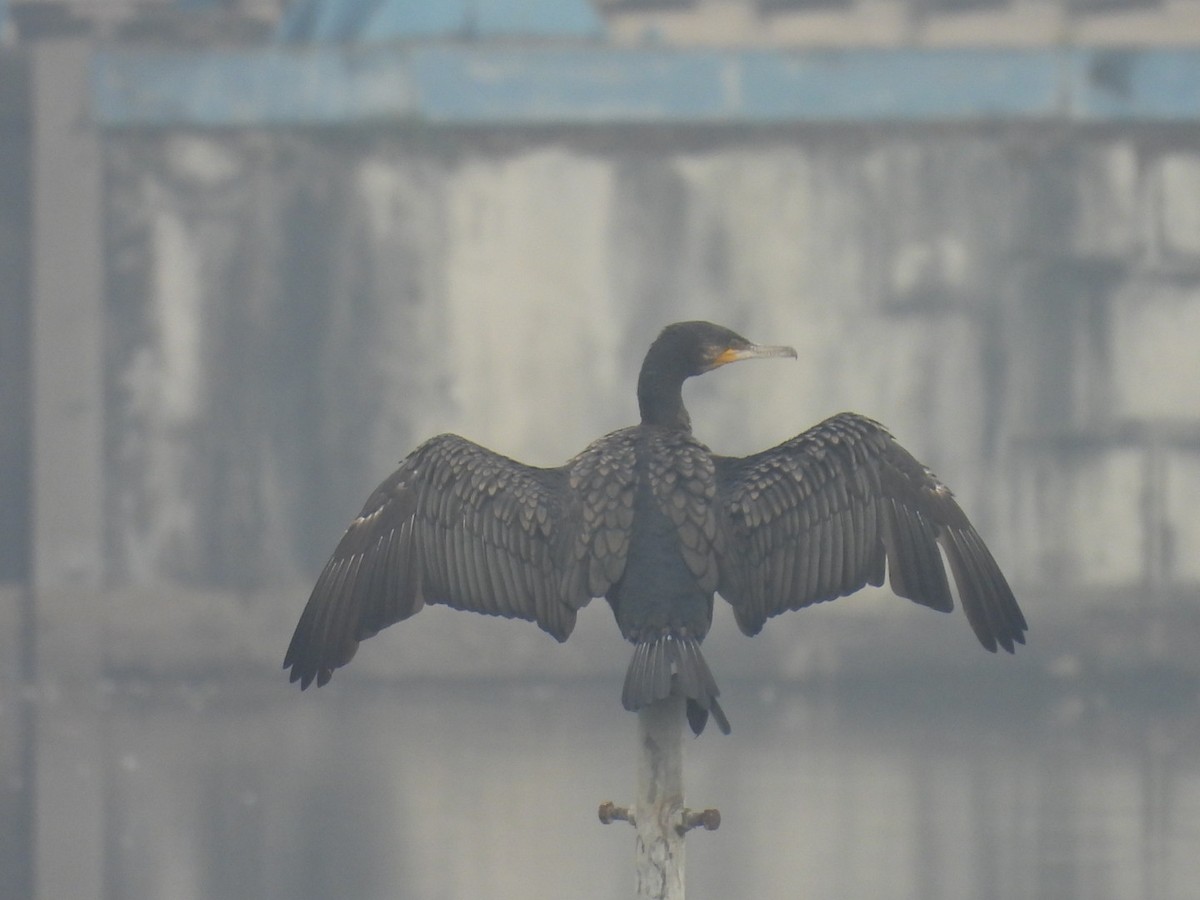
<point>15,246</point>
<point>290,315</point>
<point>67,321</point>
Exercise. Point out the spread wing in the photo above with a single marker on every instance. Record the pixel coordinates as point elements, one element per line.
<point>456,524</point>
<point>817,517</point>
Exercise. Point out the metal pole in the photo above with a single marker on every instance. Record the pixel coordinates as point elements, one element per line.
<point>658,808</point>
<point>658,813</point>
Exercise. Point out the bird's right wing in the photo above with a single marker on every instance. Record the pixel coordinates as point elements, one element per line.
<point>818,516</point>
<point>456,524</point>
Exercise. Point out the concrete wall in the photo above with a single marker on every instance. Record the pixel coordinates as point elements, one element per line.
<point>292,313</point>
<point>16,639</point>
<point>15,246</point>
<point>239,331</point>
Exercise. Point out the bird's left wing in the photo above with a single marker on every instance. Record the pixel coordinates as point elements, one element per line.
<point>456,524</point>
<point>817,517</point>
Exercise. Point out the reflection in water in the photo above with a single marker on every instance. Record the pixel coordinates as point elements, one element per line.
<point>901,790</point>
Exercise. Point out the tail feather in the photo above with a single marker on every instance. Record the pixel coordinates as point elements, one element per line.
<point>660,667</point>
<point>669,663</point>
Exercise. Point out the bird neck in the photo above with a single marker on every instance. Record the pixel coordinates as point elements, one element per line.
<point>660,398</point>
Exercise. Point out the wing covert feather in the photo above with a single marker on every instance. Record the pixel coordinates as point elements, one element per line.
<point>601,483</point>
<point>826,512</point>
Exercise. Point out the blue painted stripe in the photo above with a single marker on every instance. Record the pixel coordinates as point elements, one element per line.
<point>219,89</point>
<point>587,83</point>
<point>1113,85</point>
<point>956,84</point>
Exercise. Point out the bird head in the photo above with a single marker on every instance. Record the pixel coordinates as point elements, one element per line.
<point>681,351</point>
<point>694,348</point>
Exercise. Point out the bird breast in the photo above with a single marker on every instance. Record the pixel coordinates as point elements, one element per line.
<point>681,475</point>
<point>655,487</point>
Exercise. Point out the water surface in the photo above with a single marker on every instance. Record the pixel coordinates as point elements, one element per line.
<point>921,787</point>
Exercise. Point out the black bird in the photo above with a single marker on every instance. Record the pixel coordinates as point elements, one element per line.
<point>649,518</point>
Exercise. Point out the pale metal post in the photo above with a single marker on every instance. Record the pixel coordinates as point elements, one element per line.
<point>658,813</point>
<point>658,807</point>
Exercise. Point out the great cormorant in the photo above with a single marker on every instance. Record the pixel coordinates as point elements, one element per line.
<point>649,518</point>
